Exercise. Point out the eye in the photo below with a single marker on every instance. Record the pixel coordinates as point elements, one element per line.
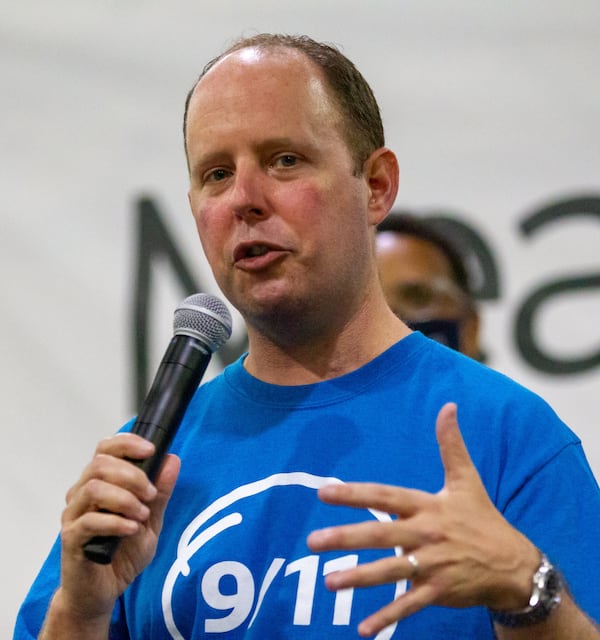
<point>216,175</point>
<point>286,160</point>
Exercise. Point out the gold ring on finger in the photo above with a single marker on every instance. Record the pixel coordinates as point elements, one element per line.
<point>414,563</point>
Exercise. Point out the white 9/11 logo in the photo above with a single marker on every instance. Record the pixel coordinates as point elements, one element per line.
<point>241,604</point>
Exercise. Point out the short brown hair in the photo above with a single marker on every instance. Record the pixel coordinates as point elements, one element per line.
<point>363,128</point>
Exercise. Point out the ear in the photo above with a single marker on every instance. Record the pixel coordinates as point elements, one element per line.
<point>382,173</point>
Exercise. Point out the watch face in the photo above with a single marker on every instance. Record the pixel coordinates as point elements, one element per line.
<point>551,594</point>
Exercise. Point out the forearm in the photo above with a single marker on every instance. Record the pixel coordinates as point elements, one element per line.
<point>62,623</point>
<point>567,622</point>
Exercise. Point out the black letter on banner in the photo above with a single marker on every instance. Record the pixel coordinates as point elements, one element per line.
<point>526,314</point>
<point>477,255</point>
<point>154,243</point>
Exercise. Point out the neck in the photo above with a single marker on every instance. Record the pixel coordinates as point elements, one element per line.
<point>313,355</point>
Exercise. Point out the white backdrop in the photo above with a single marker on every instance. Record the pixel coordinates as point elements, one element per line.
<point>492,107</point>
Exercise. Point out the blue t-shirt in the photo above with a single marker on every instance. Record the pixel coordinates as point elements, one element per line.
<point>232,560</point>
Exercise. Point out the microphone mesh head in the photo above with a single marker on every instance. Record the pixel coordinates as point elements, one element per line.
<point>204,317</point>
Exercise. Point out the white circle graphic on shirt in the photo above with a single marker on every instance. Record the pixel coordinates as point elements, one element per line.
<point>193,539</point>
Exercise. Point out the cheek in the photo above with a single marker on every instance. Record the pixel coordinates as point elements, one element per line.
<point>210,231</point>
<point>315,208</point>
<point>305,197</point>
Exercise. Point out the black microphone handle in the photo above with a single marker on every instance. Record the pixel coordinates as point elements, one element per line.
<point>176,381</point>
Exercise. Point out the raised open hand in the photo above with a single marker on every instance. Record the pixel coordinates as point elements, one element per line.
<point>459,551</point>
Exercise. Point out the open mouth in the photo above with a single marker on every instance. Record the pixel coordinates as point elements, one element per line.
<point>252,250</point>
<point>256,250</point>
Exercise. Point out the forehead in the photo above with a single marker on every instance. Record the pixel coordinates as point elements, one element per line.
<point>254,81</point>
<point>412,256</point>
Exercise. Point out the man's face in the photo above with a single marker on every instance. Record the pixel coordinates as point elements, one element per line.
<point>417,283</point>
<point>281,217</point>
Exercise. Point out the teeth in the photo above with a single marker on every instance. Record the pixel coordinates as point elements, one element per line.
<point>257,250</point>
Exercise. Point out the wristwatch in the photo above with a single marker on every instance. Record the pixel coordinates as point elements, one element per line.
<point>546,595</point>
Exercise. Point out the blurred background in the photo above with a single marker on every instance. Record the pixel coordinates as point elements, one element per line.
<point>492,107</point>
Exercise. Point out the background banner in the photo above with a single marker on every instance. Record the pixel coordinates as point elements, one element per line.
<point>492,107</point>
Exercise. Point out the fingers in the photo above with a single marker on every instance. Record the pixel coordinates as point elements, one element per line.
<point>76,532</point>
<point>111,464</point>
<point>405,532</point>
<point>126,445</point>
<point>102,496</point>
<point>421,594</point>
<point>454,539</point>
<point>368,495</point>
<point>410,602</point>
<point>367,535</point>
<point>111,468</point>
<point>111,496</point>
<point>384,571</point>
<point>439,532</point>
<point>167,477</point>
<point>453,451</point>
<point>165,483</point>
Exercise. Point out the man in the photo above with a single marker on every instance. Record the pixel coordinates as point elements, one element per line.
<point>289,176</point>
<point>426,283</point>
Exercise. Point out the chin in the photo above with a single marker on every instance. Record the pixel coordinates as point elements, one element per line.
<point>273,306</point>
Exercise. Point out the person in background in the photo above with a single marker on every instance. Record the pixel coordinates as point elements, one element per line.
<point>426,282</point>
<point>320,486</point>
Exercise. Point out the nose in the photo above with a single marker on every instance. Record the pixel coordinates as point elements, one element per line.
<point>248,198</point>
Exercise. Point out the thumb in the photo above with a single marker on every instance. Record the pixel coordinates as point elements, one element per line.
<point>165,483</point>
<point>453,451</point>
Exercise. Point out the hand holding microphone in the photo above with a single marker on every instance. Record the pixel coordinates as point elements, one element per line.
<point>202,324</point>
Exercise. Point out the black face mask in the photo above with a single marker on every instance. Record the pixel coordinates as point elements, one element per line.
<point>444,331</point>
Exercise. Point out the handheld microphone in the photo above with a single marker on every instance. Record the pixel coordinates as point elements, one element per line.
<point>202,324</point>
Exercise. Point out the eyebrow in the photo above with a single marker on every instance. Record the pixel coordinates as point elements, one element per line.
<point>214,158</point>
